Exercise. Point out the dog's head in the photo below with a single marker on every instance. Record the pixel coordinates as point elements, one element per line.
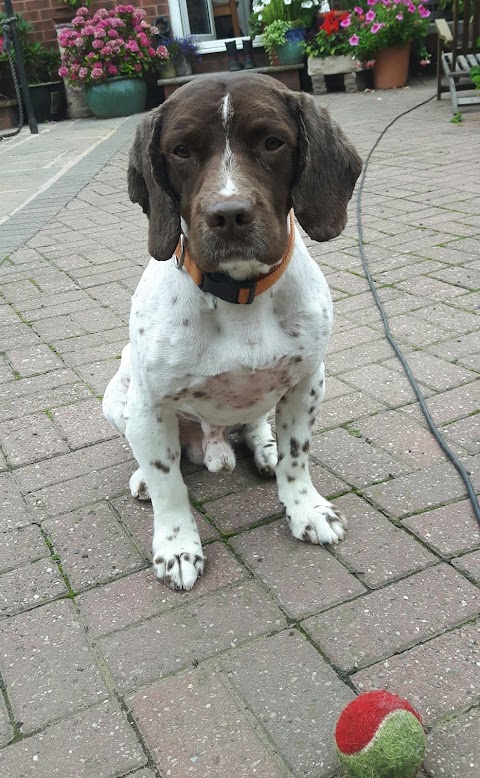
<point>230,155</point>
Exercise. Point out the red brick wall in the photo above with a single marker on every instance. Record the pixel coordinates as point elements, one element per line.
<point>44,14</point>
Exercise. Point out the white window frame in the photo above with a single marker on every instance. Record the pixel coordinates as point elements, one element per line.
<point>181,28</point>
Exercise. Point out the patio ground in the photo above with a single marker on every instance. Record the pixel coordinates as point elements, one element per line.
<point>104,671</point>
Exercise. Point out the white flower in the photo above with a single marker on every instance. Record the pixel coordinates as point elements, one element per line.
<point>307,3</point>
<point>287,2</point>
<point>257,7</point>
<point>266,2</point>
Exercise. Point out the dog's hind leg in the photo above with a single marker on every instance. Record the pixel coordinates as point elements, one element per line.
<point>259,438</point>
<point>218,453</point>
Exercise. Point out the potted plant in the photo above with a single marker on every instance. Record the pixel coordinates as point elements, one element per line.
<point>291,18</point>
<point>386,33</point>
<point>183,52</point>
<point>46,89</point>
<point>330,51</point>
<point>108,52</point>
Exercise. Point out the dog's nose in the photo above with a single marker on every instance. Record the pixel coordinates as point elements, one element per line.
<point>229,217</point>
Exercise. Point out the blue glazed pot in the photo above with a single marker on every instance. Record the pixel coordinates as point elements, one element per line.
<point>296,34</point>
<point>291,53</point>
<point>116,97</point>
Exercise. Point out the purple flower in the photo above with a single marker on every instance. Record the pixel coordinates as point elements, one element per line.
<point>370,16</point>
<point>346,22</point>
<point>424,13</point>
<point>353,41</point>
<point>375,27</point>
<point>412,8</point>
<point>372,2</point>
<point>399,17</point>
<point>358,10</point>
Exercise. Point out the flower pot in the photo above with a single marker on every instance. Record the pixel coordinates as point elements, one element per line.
<point>48,101</point>
<point>116,97</point>
<point>295,34</point>
<point>183,67</point>
<point>291,53</point>
<point>167,71</point>
<point>329,66</point>
<point>391,67</point>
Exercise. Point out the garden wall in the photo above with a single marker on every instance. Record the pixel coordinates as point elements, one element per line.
<point>44,14</point>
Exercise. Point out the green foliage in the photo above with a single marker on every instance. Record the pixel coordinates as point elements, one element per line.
<point>457,119</point>
<point>41,62</point>
<point>275,35</point>
<point>298,13</point>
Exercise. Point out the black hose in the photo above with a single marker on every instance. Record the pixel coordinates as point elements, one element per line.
<point>421,400</point>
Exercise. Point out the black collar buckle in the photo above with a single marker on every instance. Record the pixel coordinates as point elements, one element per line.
<point>226,288</point>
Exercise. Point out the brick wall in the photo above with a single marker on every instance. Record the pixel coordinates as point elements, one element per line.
<point>44,14</point>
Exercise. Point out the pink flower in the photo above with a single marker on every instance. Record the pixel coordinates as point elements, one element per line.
<point>99,33</point>
<point>346,22</point>
<point>370,16</point>
<point>137,67</point>
<point>424,13</point>
<point>82,11</point>
<point>376,27</point>
<point>132,46</point>
<point>97,72</point>
<point>358,10</point>
<point>353,41</point>
<point>411,8</point>
<point>370,64</point>
<point>142,39</point>
<point>112,34</point>
<point>151,51</point>
<point>372,2</point>
<point>399,17</point>
<point>83,73</point>
<point>162,52</point>
<point>63,71</point>
<point>97,44</point>
<point>112,70</point>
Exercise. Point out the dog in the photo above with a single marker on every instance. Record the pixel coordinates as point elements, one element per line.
<point>232,316</point>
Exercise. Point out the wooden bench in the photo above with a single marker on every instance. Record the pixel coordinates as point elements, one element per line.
<point>455,65</point>
<point>287,74</point>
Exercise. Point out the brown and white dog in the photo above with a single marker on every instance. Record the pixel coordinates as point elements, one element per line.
<point>234,320</point>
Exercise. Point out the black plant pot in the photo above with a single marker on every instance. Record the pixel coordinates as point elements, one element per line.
<point>48,100</point>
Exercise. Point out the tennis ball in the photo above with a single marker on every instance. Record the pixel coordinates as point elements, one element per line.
<point>379,735</point>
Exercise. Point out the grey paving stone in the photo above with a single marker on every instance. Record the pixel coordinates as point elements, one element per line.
<point>374,549</point>
<point>29,585</point>
<point>429,370</point>
<point>449,530</point>
<point>465,432</point>
<point>30,438</point>
<point>385,385</point>
<point>249,506</point>
<point>193,726</point>
<point>30,361</point>
<point>440,678</point>
<point>139,596</point>
<point>6,730</point>
<point>353,459</point>
<point>303,578</point>
<point>344,409</point>
<point>173,641</point>
<point>97,743</point>
<point>92,545</point>
<point>62,679</point>
<point>385,622</point>
<point>14,511</point>
<point>62,468</point>
<point>83,423</point>
<point>401,437</point>
<point>469,564</point>
<point>20,546</point>
<point>78,492</point>
<point>453,748</point>
<point>419,491</point>
<point>297,699</point>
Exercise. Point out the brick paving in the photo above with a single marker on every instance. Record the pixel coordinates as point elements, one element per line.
<point>106,673</point>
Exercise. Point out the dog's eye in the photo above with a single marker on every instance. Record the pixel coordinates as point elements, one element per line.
<point>272,144</point>
<point>182,151</point>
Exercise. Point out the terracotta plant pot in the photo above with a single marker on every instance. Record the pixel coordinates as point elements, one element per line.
<point>391,67</point>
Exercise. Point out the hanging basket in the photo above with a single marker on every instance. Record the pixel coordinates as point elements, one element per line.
<point>391,67</point>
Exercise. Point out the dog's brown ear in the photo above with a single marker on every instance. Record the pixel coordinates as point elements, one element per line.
<point>328,167</point>
<point>148,185</point>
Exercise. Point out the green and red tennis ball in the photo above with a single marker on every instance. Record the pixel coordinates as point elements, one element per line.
<point>380,735</point>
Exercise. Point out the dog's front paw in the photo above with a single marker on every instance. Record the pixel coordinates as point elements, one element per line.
<point>178,560</point>
<point>317,521</point>
<point>266,459</point>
